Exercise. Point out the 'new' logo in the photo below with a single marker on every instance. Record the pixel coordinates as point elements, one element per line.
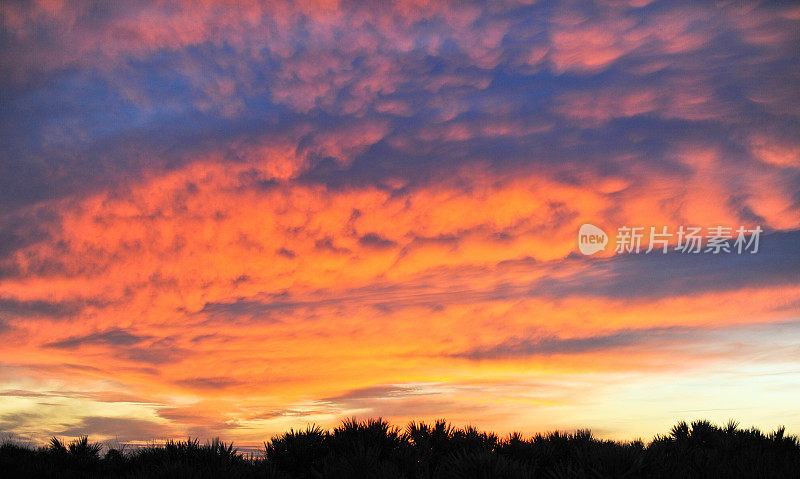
<point>591,239</point>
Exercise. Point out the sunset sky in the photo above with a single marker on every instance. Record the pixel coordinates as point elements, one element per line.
<point>230,218</point>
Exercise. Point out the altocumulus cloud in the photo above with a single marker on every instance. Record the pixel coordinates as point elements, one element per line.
<point>254,206</point>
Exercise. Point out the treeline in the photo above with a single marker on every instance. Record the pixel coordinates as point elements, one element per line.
<point>375,449</point>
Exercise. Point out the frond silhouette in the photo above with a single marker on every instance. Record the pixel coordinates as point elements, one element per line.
<point>374,448</point>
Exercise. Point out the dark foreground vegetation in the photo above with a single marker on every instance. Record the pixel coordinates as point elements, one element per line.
<point>374,449</point>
